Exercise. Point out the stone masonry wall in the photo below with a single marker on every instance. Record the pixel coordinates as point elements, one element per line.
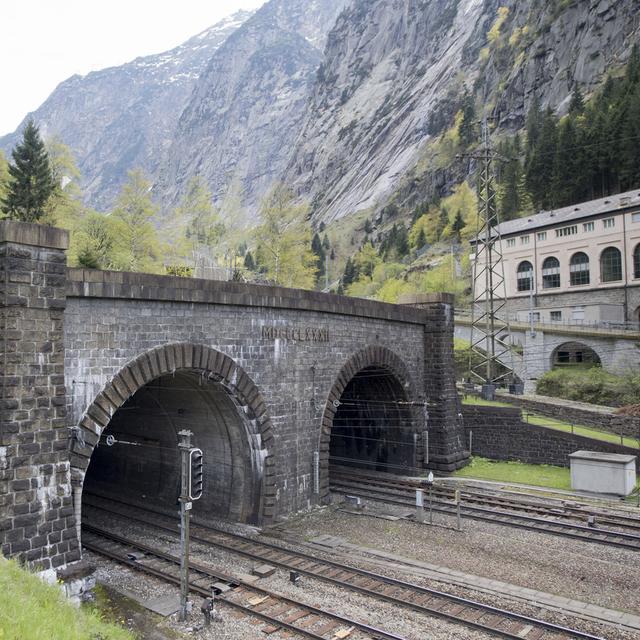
<point>36,518</point>
<point>500,434</point>
<point>113,318</point>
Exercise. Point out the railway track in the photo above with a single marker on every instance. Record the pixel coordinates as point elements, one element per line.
<point>564,509</point>
<point>276,610</point>
<point>430,602</point>
<point>484,509</point>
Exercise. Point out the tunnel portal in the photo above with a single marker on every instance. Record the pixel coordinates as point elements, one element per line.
<point>373,425</point>
<point>142,467</point>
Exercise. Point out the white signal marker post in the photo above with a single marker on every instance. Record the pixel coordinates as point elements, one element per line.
<point>191,465</point>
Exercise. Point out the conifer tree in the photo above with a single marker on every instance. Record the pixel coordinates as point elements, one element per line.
<point>350,273</point>
<point>443,221</point>
<point>468,128</point>
<point>318,250</point>
<point>249,263</point>
<point>458,224</point>
<point>576,106</point>
<point>31,183</point>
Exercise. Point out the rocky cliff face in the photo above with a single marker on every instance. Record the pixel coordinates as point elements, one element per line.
<point>124,117</point>
<point>248,106</point>
<point>394,72</point>
<point>338,98</point>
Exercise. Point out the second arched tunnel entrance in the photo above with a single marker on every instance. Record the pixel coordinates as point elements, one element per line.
<point>373,426</point>
<point>141,466</point>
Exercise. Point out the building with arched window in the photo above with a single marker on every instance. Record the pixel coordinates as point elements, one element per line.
<point>579,264</point>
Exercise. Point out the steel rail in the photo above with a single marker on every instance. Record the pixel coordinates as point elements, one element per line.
<point>371,590</point>
<point>373,632</point>
<point>571,530</point>
<point>624,520</point>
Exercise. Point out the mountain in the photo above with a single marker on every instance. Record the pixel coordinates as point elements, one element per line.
<point>247,108</point>
<point>395,72</point>
<point>350,102</point>
<point>124,117</point>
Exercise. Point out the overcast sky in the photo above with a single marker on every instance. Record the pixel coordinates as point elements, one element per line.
<point>43,42</point>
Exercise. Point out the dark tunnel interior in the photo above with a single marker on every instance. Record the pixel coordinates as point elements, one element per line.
<point>143,466</point>
<point>372,427</point>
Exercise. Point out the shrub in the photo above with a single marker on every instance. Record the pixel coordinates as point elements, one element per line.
<point>594,385</point>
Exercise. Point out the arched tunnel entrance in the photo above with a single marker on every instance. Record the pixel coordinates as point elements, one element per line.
<point>142,466</point>
<point>373,426</point>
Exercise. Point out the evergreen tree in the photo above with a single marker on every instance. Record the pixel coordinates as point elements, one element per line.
<point>350,274</point>
<point>443,222</point>
<point>249,264</point>
<point>565,166</point>
<point>325,242</point>
<point>541,161</point>
<point>468,128</point>
<point>318,250</point>
<point>458,224</point>
<point>533,123</point>
<point>576,105</point>
<point>31,184</point>
<point>630,143</point>
<point>402,242</point>
<point>421,240</point>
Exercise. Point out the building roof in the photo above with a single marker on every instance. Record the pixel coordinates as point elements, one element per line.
<point>602,206</point>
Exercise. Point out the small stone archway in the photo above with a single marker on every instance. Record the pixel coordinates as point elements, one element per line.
<point>574,354</point>
<point>369,357</point>
<point>165,360</point>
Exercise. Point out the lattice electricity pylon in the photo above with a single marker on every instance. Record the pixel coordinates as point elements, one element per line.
<point>490,357</point>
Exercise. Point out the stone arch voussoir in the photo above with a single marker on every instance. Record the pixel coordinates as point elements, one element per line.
<point>167,359</point>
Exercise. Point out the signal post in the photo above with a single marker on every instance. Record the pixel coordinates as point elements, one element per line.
<point>192,475</point>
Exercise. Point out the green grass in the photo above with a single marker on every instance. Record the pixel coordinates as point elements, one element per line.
<point>33,610</point>
<point>539,475</point>
<point>581,430</point>
<point>475,400</point>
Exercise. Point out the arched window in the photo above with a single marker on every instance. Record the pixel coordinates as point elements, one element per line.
<point>636,261</point>
<point>579,269</point>
<point>550,273</point>
<point>524,276</point>
<point>610,265</point>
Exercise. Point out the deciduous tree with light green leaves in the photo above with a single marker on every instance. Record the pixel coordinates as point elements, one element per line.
<point>284,249</point>
<point>136,246</point>
<point>197,228</point>
<point>4,180</point>
<point>31,181</point>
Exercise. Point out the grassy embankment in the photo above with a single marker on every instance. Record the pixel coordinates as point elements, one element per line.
<point>33,610</point>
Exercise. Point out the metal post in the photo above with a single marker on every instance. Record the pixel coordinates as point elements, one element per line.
<point>419,506</point>
<point>316,472</point>
<point>430,483</point>
<point>470,441</point>
<point>457,499</point>
<point>184,445</point>
<point>425,440</point>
